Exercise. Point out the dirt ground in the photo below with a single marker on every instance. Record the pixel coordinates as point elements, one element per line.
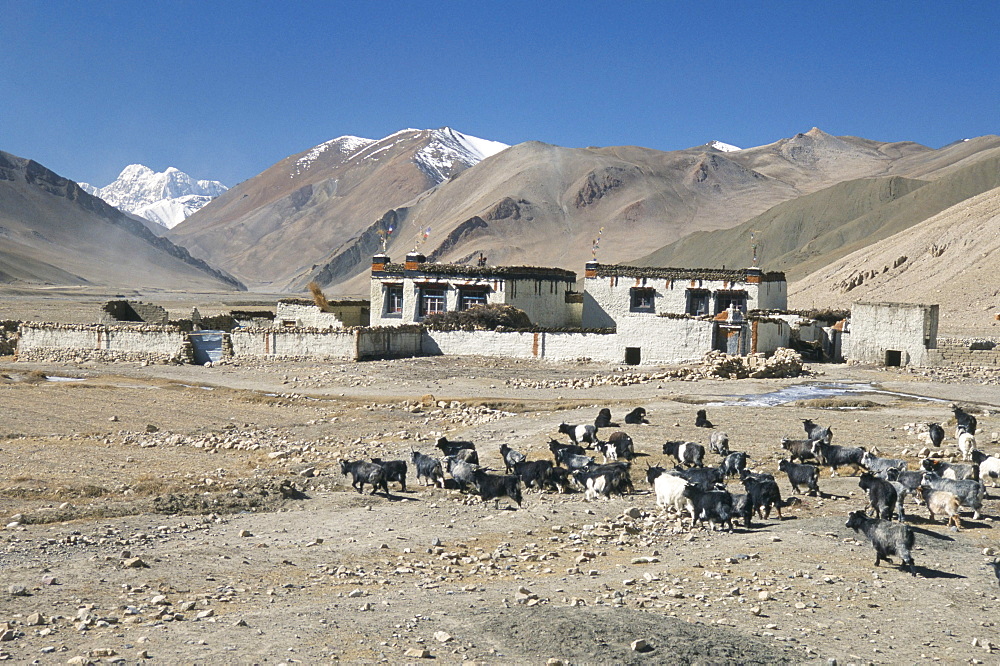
<point>183,514</point>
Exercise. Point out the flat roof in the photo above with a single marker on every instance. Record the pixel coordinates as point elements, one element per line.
<point>463,270</point>
<point>727,274</point>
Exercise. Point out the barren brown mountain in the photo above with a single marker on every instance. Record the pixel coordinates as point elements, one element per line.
<point>804,234</point>
<point>951,259</point>
<point>530,204</point>
<point>54,233</point>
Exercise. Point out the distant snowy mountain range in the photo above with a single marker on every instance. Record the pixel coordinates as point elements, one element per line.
<point>166,198</point>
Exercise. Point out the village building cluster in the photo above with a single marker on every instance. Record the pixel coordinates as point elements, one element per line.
<point>619,314</point>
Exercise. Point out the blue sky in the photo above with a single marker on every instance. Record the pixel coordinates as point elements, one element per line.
<point>222,90</point>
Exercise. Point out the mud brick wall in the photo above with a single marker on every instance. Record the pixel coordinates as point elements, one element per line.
<point>959,353</point>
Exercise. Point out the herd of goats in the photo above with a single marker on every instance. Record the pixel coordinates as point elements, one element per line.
<point>691,489</point>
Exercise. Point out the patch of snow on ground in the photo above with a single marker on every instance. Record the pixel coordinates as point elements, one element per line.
<point>724,147</point>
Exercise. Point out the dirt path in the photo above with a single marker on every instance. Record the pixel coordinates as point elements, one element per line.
<point>274,559</point>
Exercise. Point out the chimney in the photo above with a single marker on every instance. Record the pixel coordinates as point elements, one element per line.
<point>413,259</point>
<point>590,269</point>
<point>379,262</point>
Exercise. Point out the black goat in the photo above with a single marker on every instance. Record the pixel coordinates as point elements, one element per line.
<point>965,419</point>
<point>428,468</point>
<point>538,474</point>
<point>801,449</point>
<point>495,486</point>
<point>886,537</point>
<point>814,431</point>
<point>714,506</point>
<point>705,478</point>
<point>743,508</point>
<point>511,457</point>
<point>573,461</point>
<point>882,496</point>
<point>936,433</point>
<point>365,472</point>
<point>465,451</point>
<point>835,457</point>
<point>764,494</point>
<point>394,470</point>
<point>801,475</point>
<point>686,453</point>
<point>603,480</point>
<point>462,472</point>
<point>733,464</point>
<point>572,449</point>
<point>636,417</point>
<point>701,419</point>
<point>603,419</point>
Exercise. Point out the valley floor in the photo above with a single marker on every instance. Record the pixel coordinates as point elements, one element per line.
<point>224,482</point>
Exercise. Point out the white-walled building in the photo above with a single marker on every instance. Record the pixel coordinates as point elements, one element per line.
<point>304,313</point>
<point>613,293</point>
<point>406,293</point>
<point>892,334</point>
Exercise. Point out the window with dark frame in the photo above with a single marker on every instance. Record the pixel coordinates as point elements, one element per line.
<point>470,297</point>
<point>698,301</point>
<point>727,299</point>
<point>642,299</point>
<point>394,300</point>
<point>431,300</point>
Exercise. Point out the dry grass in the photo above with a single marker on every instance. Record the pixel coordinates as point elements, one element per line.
<point>835,403</point>
<point>318,297</point>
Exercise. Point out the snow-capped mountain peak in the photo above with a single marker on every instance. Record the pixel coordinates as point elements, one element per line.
<point>166,198</point>
<point>724,147</point>
<point>448,148</point>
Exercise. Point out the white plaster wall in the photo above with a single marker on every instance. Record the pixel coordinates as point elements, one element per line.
<point>389,342</point>
<point>544,301</point>
<point>770,296</point>
<point>878,327</point>
<point>155,341</point>
<point>610,297</point>
<point>665,339</point>
<point>305,316</point>
<point>770,335</point>
<point>331,343</point>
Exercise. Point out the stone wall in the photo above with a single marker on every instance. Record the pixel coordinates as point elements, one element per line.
<point>100,342</point>
<point>955,352</point>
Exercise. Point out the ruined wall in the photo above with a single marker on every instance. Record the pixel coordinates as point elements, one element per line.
<point>304,316</point>
<point>881,330</point>
<point>965,353</point>
<point>125,311</point>
<point>62,342</point>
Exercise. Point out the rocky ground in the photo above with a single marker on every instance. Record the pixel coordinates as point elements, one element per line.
<point>188,514</point>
